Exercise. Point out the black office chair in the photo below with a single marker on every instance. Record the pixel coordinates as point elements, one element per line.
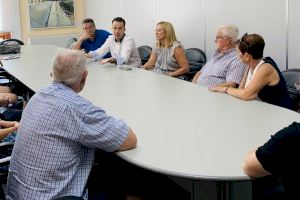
<point>70,43</point>
<point>5,78</point>
<point>144,52</point>
<point>197,59</point>
<point>13,40</point>
<point>292,76</point>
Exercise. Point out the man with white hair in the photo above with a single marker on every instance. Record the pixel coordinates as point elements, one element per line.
<point>58,135</point>
<point>224,68</point>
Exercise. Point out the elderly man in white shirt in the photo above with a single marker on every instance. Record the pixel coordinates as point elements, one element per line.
<point>121,47</point>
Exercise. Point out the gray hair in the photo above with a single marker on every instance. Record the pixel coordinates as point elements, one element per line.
<point>68,66</point>
<point>231,31</point>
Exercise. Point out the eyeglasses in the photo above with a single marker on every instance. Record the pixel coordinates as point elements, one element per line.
<point>244,43</point>
<point>219,37</point>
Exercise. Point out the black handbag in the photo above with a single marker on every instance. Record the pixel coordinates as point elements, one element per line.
<point>10,46</point>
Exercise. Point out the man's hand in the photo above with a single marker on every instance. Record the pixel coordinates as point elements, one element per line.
<point>85,36</point>
<point>218,89</point>
<point>108,60</point>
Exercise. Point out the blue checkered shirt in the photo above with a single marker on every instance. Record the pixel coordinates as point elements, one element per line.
<point>222,68</point>
<point>54,149</point>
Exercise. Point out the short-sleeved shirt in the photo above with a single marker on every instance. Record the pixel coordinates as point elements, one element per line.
<point>166,61</point>
<point>100,38</point>
<point>280,155</point>
<point>54,149</point>
<point>221,68</point>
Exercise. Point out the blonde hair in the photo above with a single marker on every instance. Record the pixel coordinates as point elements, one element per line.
<point>170,35</point>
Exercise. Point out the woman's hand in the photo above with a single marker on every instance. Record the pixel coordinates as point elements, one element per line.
<point>7,128</point>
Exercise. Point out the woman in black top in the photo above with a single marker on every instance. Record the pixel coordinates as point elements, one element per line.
<point>262,80</point>
<point>278,157</point>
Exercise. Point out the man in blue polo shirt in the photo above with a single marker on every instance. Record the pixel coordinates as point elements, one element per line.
<point>91,38</point>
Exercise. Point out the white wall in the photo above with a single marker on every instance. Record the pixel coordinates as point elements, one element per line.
<point>195,22</point>
<point>294,34</point>
<point>139,16</point>
<point>253,16</point>
<point>142,16</point>
<point>10,17</point>
<point>187,19</point>
<point>103,11</point>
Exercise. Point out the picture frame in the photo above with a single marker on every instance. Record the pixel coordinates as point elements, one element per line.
<point>51,13</point>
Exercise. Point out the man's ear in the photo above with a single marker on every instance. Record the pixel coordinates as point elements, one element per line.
<point>84,75</point>
<point>247,55</point>
<point>51,74</point>
<point>229,40</point>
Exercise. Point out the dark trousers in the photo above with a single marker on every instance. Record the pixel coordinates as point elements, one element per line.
<point>11,115</point>
<point>267,188</point>
<point>113,178</point>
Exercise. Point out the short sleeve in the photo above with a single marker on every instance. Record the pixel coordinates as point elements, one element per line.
<point>278,155</point>
<point>155,49</point>
<point>236,71</point>
<point>99,130</point>
<point>174,46</point>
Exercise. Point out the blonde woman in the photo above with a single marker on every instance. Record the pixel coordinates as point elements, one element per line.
<point>167,56</point>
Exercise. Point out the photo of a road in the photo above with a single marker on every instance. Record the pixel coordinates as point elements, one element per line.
<point>53,13</point>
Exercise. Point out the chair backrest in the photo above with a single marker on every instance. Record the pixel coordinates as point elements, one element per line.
<point>145,52</point>
<point>291,76</point>
<point>13,40</point>
<point>71,42</point>
<point>196,58</point>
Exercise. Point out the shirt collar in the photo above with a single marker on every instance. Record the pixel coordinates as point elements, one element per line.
<point>121,38</point>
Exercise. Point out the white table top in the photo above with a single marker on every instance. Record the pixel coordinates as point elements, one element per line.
<point>182,129</point>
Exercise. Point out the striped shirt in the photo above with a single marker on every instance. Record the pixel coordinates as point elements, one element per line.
<point>54,149</point>
<point>222,68</point>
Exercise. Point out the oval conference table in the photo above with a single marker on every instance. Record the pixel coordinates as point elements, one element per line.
<point>183,129</point>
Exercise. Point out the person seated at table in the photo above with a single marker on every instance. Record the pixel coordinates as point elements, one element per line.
<point>167,56</point>
<point>224,67</point>
<point>10,109</point>
<point>91,38</point>
<point>262,79</point>
<point>59,133</point>
<point>121,47</point>
<point>278,157</point>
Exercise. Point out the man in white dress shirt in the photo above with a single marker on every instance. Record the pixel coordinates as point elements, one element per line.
<point>121,47</point>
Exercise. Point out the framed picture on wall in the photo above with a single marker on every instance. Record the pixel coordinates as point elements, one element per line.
<point>51,13</point>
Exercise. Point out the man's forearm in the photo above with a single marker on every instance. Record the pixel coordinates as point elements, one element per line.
<point>77,45</point>
<point>228,84</point>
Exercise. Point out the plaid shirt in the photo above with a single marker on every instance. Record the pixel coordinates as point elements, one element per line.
<point>221,68</point>
<point>54,148</point>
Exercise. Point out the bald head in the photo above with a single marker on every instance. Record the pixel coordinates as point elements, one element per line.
<point>69,67</point>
